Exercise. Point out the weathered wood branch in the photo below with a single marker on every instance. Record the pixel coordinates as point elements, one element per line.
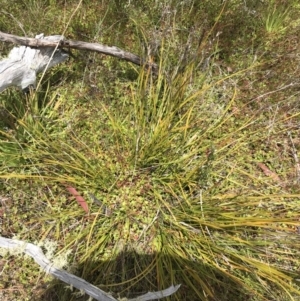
<point>70,44</point>
<point>37,254</point>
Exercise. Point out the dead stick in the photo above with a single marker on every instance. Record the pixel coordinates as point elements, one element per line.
<point>70,44</point>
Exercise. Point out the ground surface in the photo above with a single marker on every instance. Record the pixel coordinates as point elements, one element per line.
<point>190,176</point>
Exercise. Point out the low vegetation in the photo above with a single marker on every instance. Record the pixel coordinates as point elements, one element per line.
<point>189,176</point>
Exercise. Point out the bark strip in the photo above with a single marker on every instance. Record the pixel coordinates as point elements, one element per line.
<point>37,254</point>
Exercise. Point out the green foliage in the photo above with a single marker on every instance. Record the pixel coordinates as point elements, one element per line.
<point>187,174</point>
<point>276,16</point>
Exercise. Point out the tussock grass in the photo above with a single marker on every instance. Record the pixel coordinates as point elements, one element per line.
<point>172,184</point>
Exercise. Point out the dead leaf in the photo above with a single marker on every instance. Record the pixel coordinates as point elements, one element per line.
<point>274,176</point>
<point>80,200</point>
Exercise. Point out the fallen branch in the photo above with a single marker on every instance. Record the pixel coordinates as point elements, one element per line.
<point>70,44</point>
<point>37,254</point>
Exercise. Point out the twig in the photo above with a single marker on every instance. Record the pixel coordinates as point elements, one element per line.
<point>265,94</point>
<point>295,157</point>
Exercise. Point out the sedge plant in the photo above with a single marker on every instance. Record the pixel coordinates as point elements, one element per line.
<point>275,17</point>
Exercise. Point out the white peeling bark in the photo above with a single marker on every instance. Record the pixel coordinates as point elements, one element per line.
<point>37,254</point>
<point>24,63</point>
